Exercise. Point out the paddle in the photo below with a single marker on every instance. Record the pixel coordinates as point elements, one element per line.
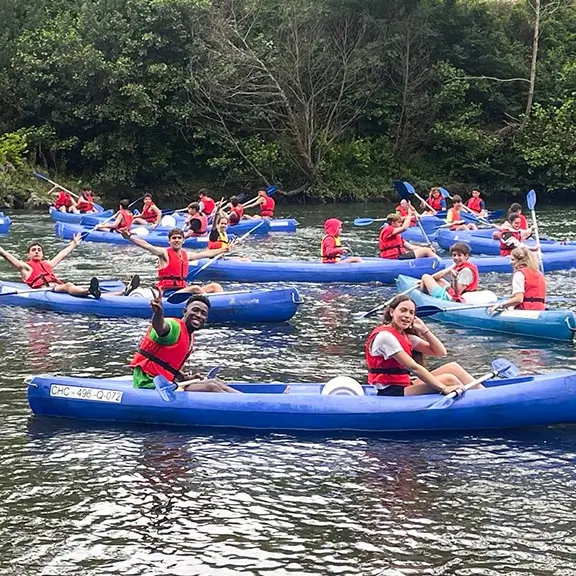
<point>431,309</point>
<point>54,184</point>
<point>105,285</point>
<point>500,367</point>
<point>387,303</point>
<point>179,297</point>
<point>426,239</point>
<point>270,191</point>
<point>531,203</point>
<point>411,190</point>
<point>167,389</point>
<point>367,221</point>
<point>446,194</point>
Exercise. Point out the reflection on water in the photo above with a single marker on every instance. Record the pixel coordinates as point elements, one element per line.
<point>85,499</point>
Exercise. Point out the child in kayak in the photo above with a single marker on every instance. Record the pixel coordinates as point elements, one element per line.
<point>436,201</point>
<point>391,244</point>
<point>454,216</point>
<point>511,235</point>
<point>476,204</point>
<point>389,355</point>
<point>331,248</point>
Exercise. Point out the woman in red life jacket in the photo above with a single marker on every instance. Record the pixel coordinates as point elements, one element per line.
<point>404,209</point>
<point>516,208</point>
<point>391,245</point>
<point>389,350</point>
<point>123,221</point>
<point>331,249</point>
<point>511,235</point>
<point>463,275</point>
<point>436,201</point>
<point>196,222</point>
<point>168,344</point>
<point>39,273</point>
<point>476,204</point>
<point>454,216</point>
<point>173,263</point>
<point>151,214</point>
<point>64,202</point>
<point>528,283</point>
<point>85,204</point>
<point>207,204</point>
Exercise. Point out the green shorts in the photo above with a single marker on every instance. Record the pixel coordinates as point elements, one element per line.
<point>441,293</point>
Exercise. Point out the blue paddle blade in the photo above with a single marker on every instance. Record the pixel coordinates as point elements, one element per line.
<point>213,372</point>
<point>401,189</point>
<point>178,297</point>
<point>363,221</point>
<point>444,192</point>
<point>504,368</point>
<point>409,187</point>
<point>531,199</point>
<point>271,190</point>
<point>165,388</point>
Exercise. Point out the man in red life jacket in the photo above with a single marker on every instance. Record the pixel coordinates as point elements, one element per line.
<point>207,204</point>
<point>196,222</point>
<point>511,235</point>
<point>123,221</point>
<point>331,249</point>
<point>168,344</point>
<point>404,209</point>
<point>236,211</point>
<point>476,204</point>
<point>454,216</point>
<point>266,203</point>
<point>151,214</point>
<point>173,263</point>
<point>436,201</point>
<point>85,204</point>
<point>463,275</point>
<point>64,202</point>
<point>393,247</point>
<point>39,273</point>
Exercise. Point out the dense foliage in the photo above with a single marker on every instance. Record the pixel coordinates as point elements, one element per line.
<point>326,98</point>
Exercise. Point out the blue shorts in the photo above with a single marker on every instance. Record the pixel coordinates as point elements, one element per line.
<point>441,293</point>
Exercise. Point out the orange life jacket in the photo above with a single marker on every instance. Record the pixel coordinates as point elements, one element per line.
<point>455,217</point>
<point>471,287</point>
<point>42,274</point>
<point>534,290</point>
<point>220,243</point>
<point>388,372</point>
<point>390,246</point>
<point>158,360</point>
<point>330,258</point>
<point>175,275</point>
<point>475,204</point>
<point>435,202</point>
<point>267,207</point>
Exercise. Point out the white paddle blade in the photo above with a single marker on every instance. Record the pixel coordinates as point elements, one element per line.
<point>142,293</point>
<point>140,231</point>
<point>168,221</point>
<point>342,386</point>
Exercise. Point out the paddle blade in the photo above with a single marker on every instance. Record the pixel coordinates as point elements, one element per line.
<point>444,192</point>
<point>504,368</point>
<point>401,189</point>
<point>178,297</point>
<point>213,372</point>
<point>271,190</point>
<point>531,199</point>
<point>165,388</point>
<point>363,221</point>
<point>425,311</point>
<point>409,187</point>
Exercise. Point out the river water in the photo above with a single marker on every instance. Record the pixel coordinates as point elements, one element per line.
<point>81,499</point>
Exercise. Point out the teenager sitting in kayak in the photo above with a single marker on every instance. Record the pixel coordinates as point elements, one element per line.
<point>151,214</point>
<point>511,234</point>
<point>393,247</point>
<point>404,209</point>
<point>85,204</point>
<point>516,208</point>
<point>64,202</point>
<point>236,211</point>
<point>168,344</point>
<point>436,201</point>
<point>123,219</point>
<point>39,273</point>
<point>266,203</point>
<point>464,276</point>
<point>196,222</point>
<point>528,283</point>
<point>389,355</point>
<point>476,203</point>
<point>207,204</point>
<point>454,216</point>
<point>173,263</point>
<point>331,249</point>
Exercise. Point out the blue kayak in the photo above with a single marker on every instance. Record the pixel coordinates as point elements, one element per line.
<point>369,270</point>
<point>480,243</point>
<point>71,218</point>
<point>5,223</point>
<point>539,400</point>
<point>547,324</point>
<point>238,307</point>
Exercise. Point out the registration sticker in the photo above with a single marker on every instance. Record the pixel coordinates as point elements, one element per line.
<point>530,314</point>
<point>84,393</point>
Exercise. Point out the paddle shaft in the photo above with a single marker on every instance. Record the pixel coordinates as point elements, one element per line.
<point>537,235</point>
<point>388,302</point>
<point>55,184</point>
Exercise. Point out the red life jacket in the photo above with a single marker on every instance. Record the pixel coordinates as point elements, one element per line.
<point>125,221</point>
<point>220,243</point>
<point>505,250</point>
<point>175,275</point>
<point>84,206</point>
<point>63,199</point>
<point>42,274</point>
<point>239,211</point>
<point>148,213</point>
<point>403,211</point>
<point>390,246</point>
<point>534,290</point>
<point>435,202</point>
<point>208,204</point>
<point>203,223</point>
<point>475,204</point>
<point>158,360</point>
<point>455,217</point>
<point>324,246</point>
<point>523,222</point>
<point>267,207</point>
<point>388,372</point>
<point>472,286</point>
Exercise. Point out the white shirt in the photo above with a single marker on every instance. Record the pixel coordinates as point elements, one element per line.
<point>518,283</point>
<point>465,277</point>
<point>386,344</point>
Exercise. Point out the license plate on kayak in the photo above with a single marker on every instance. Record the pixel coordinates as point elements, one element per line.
<point>527,314</point>
<point>83,393</point>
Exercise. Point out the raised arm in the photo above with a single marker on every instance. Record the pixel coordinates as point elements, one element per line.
<point>160,325</point>
<point>11,259</point>
<point>66,251</point>
<point>208,253</point>
<point>155,250</point>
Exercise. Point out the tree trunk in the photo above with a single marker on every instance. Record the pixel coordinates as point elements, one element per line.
<point>535,43</point>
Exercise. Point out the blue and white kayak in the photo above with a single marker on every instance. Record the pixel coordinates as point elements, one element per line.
<point>539,400</point>
<point>369,270</point>
<point>237,307</point>
<point>480,243</point>
<point>71,218</point>
<point>547,324</point>
<point>5,223</point>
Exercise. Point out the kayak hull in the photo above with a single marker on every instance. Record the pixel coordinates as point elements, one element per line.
<point>71,218</point>
<point>526,401</point>
<point>5,223</point>
<point>238,308</point>
<point>545,324</point>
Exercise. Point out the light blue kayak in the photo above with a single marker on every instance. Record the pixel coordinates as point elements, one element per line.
<point>555,324</point>
<point>5,223</point>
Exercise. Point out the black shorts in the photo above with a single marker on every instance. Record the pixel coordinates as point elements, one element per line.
<point>392,390</point>
<point>407,255</point>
